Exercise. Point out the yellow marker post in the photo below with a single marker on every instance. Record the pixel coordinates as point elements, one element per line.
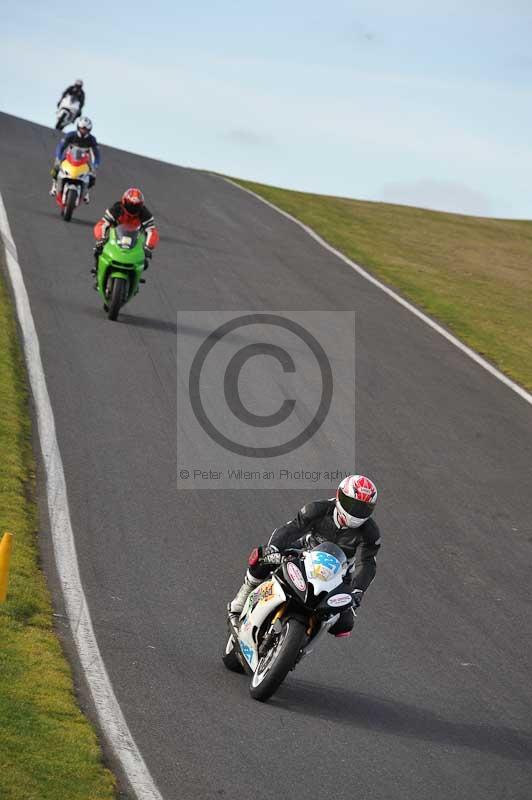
<point>5,554</point>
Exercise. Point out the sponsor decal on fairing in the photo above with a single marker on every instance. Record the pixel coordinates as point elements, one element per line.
<point>294,573</point>
<point>247,652</point>
<point>324,565</point>
<point>339,600</point>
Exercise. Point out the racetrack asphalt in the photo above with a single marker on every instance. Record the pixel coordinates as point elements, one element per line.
<point>432,695</point>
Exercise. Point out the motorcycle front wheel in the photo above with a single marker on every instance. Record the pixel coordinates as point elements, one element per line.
<point>70,204</point>
<point>281,657</point>
<point>118,295</point>
<point>230,658</point>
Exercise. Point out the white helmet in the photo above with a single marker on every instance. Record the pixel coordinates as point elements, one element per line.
<point>78,83</point>
<point>355,501</point>
<point>84,124</point>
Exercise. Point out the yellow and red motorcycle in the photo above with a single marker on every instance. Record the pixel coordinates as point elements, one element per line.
<point>73,180</point>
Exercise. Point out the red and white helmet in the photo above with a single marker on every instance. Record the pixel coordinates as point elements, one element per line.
<point>355,501</point>
<point>133,201</point>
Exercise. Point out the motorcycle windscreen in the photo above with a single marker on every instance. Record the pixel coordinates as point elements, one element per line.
<point>126,236</point>
<point>325,566</point>
<point>78,155</point>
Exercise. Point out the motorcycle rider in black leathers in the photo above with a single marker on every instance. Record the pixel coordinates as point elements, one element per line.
<point>344,520</point>
<point>75,91</point>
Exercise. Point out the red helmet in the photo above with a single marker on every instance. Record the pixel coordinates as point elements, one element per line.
<point>355,500</point>
<point>133,201</point>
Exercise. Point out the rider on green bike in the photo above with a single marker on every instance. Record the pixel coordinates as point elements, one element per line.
<point>130,210</point>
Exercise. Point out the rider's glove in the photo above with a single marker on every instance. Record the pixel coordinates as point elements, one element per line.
<point>147,256</point>
<point>98,247</point>
<point>264,555</point>
<point>357,595</point>
<point>271,555</point>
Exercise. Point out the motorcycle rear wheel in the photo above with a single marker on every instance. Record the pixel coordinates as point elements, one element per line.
<point>118,294</point>
<point>70,204</point>
<point>275,665</point>
<point>230,658</point>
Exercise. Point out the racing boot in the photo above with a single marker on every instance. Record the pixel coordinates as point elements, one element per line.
<point>86,197</point>
<point>344,625</point>
<point>54,172</point>
<point>98,248</point>
<point>236,605</point>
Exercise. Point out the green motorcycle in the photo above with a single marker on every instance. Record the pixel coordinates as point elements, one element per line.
<point>120,266</point>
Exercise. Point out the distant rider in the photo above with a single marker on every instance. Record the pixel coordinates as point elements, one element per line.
<point>81,137</point>
<point>344,520</point>
<point>76,92</point>
<point>130,210</point>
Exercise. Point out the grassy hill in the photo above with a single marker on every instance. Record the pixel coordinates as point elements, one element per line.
<point>472,274</point>
<point>48,749</point>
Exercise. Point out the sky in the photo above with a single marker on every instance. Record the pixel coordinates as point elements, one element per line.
<point>375,99</point>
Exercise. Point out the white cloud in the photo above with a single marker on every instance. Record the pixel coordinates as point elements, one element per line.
<point>248,138</point>
<point>437,195</point>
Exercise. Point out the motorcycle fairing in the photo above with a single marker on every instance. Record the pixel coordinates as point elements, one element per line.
<point>122,260</point>
<point>260,604</point>
<point>69,103</point>
<point>76,162</point>
<point>73,172</point>
<point>68,110</point>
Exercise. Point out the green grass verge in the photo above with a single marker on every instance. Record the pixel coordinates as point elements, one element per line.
<point>472,274</point>
<point>48,749</point>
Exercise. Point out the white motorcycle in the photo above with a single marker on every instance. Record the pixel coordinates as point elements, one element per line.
<point>67,112</point>
<point>284,616</point>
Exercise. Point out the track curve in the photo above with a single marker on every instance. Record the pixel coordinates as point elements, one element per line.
<point>432,695</point>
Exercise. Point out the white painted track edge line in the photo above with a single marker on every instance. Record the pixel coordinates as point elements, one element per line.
<point>109,713</point>
<point>391,293</point>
